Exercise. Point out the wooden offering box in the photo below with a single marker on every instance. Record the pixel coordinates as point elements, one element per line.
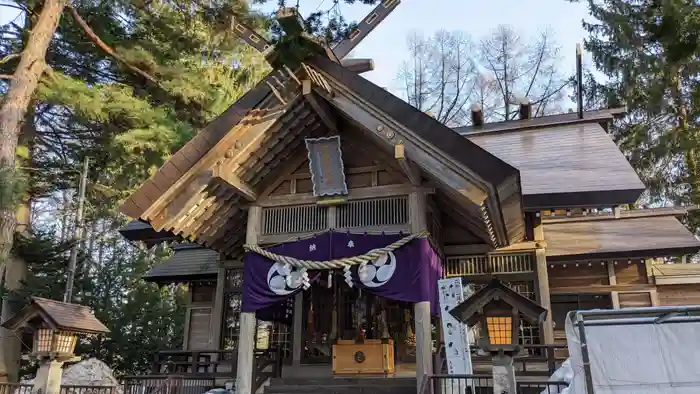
<point>369,357</point>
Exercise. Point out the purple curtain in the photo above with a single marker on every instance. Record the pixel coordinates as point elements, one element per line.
<point>409,273</point>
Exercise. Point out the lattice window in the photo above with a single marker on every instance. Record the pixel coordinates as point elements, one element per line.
<point>529,334</point>
<point>231,321</point>
<point>374,212</point>
<point>294,219</point>
<point>489,264</point>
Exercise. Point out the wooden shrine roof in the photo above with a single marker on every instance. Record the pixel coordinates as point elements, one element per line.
<point>572,165</point>
<point>626,237</point>
<point>189,262</point>
<point>247,144</point>
<point>58,315</point>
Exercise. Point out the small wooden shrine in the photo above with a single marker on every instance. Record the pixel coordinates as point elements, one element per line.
<point>293,213</point>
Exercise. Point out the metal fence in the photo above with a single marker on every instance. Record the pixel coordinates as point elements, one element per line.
<point>74,389</point>
<point>483,384</point>
<point>16,388</point>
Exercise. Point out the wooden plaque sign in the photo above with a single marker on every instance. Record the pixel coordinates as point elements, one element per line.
<point>326,166</point>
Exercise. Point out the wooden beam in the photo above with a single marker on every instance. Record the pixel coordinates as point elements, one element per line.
<point>220,173</point>
<point>411,171</point>
<point>319,105</point>
<point>428,158</point>
<point>353,194</point>
<point>358,65</point>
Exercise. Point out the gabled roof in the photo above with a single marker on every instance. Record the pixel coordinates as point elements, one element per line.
<point>486,165</point>
<point>626,237</point>
<point>496,290</point>
<point>570,165</point>
<point>204,192</point>
<point>58,315</point>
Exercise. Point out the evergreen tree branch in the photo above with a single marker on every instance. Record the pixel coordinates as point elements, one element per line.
<point>98,41</point>
<point>10,57</point>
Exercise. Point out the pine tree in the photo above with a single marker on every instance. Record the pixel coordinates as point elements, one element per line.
<point>649,51</point>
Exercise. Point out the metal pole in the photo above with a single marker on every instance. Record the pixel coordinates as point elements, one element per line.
<point>584,354</point>
<point>579,80</point>
<point>77,233</point>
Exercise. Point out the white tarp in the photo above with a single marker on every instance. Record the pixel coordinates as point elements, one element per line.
<point>637,358</point>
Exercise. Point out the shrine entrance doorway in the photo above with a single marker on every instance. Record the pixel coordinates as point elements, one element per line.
<point>342,312</point>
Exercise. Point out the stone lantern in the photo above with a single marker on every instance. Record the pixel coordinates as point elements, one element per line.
<point>56,327</point>
<point>498,309</point>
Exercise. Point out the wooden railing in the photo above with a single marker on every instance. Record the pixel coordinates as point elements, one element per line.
<point>212,363</point>
<point>78,389</point>
<point>16,388</point>
<point>483,383</point>
<point>166,384</point>
<point>201,367</point>
<point>501,263</point>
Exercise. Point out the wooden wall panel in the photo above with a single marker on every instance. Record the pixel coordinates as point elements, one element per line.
<point>364,168</point>
<point>200,329</point>
<point>634,300</point>
<point>561,277</point>
<point>634,273</point>
<point>679,295</point>
<point>454,234</point>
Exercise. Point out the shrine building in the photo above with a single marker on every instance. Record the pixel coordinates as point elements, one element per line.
<point>316,214</point>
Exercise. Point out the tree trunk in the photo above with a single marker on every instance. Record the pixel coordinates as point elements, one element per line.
<point>14,108</point>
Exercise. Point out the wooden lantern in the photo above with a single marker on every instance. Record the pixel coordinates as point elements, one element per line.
<point>47,340</point>
<point>56,326</point>
<point>498,309</point>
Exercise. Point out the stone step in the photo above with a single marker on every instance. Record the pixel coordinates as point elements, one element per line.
<point>339,389</point>
<point>344,381</point>
<point>341,386</point>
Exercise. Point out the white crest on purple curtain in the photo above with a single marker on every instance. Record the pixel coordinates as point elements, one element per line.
<point>283,279</point>
<point>377,272</point>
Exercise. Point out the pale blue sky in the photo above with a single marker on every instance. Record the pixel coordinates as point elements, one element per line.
<point>387,43</point>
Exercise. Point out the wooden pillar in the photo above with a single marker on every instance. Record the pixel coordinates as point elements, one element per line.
<point>298,329</point>
<point>612,281</point>
<point>421,310</point>
<point>218,311</point>
<point>246,336</point>
<point>543,294</point>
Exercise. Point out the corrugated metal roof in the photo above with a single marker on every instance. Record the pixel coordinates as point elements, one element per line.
<point>185,263</point>
<point>563,160</point>
<point>630,237</point>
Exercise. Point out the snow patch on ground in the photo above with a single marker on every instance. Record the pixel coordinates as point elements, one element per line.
<point>88,372</point>
<point>563,374</point>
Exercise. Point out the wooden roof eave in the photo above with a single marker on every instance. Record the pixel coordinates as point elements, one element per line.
<point>457,178</point>
<point>191,153</point>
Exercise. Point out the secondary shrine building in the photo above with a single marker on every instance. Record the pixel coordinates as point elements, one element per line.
<point>315,220</point>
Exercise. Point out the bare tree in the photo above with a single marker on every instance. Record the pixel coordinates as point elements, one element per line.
<point>523,68</point>
<point>441,76</point>
<point>446,73</point>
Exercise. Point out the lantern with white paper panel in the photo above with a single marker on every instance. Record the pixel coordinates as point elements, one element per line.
<point>498,309</point>
<point>56,327</point>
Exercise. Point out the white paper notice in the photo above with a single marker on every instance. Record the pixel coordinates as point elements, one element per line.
<point>459,360</point>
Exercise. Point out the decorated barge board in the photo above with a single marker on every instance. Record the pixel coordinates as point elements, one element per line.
<point>315,216</point>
